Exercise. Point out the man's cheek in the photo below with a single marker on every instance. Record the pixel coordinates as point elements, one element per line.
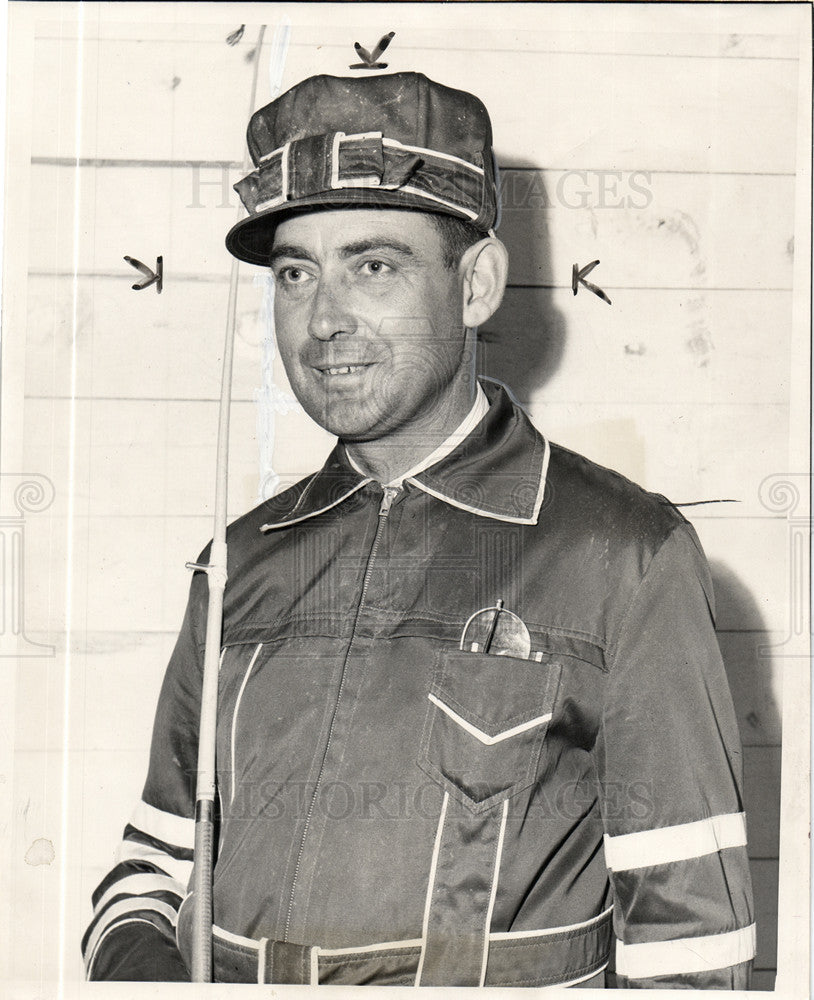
<point>287,337</point>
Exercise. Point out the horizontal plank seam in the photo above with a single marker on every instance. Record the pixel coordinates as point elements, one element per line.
<point>130,162</point>
<point>446,50</point>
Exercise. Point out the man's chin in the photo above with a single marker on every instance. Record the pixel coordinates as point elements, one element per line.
<point>353,434</point>
<point>353,427</point>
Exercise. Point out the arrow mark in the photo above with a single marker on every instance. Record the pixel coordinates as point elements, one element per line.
<point>369,58</point>
<point>578,276</point>
<point>150,277</point>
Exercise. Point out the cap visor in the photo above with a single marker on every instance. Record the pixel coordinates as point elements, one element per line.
<point>251,239</point>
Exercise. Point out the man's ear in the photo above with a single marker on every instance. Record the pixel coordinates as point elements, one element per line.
<point>484,268</point>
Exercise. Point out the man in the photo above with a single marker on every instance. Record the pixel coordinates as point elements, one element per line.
<point>473,722</point>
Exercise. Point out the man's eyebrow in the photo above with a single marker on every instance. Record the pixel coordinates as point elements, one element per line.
<point>386,243</point>
<point>289,250</point>
<point>294,252</point>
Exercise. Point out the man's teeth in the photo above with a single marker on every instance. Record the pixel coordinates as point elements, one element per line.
<point>344,370</point>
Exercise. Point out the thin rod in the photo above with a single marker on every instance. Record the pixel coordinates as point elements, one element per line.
<point>493,625</point>
<point>202,915</point>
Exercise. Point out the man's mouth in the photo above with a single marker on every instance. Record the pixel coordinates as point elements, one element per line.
<point>343,369</point>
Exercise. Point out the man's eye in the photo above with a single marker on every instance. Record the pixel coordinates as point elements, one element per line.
<point>376,267</point>
<point>292,275</point>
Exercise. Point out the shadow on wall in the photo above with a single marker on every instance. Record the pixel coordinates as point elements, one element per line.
<point>523,346</point>
<point>749,667</point>
<point>523,343</point>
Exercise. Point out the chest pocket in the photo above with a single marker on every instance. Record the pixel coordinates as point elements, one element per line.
<point>486,722</point>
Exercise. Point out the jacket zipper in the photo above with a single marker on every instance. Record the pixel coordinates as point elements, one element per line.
<point>389,495</point>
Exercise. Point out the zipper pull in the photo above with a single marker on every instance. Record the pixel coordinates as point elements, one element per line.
<point>390,494</point>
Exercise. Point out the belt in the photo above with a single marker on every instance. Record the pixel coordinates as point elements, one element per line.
<point>559,956</point>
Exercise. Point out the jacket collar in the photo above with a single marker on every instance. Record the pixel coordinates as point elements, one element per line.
<point>498,471</point>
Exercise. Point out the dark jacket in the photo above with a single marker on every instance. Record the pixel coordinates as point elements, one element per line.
<point>395,809</point>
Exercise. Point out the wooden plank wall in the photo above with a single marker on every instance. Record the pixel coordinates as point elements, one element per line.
<point>663,143</point>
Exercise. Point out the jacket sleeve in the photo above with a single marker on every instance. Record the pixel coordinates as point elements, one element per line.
<point>669,763</point>
<point>132,933</point>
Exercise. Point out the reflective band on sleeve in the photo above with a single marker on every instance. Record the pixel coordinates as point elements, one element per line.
<point>139,904</point>
<point>479,734</point>
<point>674,843</point>
<point>131,920</point>
<point>685,955</point>
<point>172,829</point>
<point>137,885</point>
<point>132,850</point>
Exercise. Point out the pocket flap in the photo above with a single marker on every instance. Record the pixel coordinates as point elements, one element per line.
<point>479,734</point>
<point>486,724</point>
<point>495,697</point>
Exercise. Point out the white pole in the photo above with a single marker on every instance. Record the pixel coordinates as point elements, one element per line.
<point>216,577</point>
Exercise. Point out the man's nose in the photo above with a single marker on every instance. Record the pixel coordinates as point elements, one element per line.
<point>330,311</point>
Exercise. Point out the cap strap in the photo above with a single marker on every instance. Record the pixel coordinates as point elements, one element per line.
<point>369,166</point>
<point>267,186</point>
<point>315,164</point>
<point>436,155</point>
<point>368,160</point>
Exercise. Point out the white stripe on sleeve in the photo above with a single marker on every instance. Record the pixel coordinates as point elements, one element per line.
<point>675,843</point>
<point>685,955</point>
<point>172,829</point>
<point>92,958</point>
<point>132,850</point>
<point>137,885</point>
<point>138,904</point>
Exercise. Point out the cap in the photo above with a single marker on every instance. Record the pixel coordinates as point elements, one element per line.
<point>394,141</point>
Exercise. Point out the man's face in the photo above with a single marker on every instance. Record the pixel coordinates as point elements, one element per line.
<point>368,321</point>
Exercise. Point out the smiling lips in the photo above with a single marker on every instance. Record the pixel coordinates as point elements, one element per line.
<point>350,369</point>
